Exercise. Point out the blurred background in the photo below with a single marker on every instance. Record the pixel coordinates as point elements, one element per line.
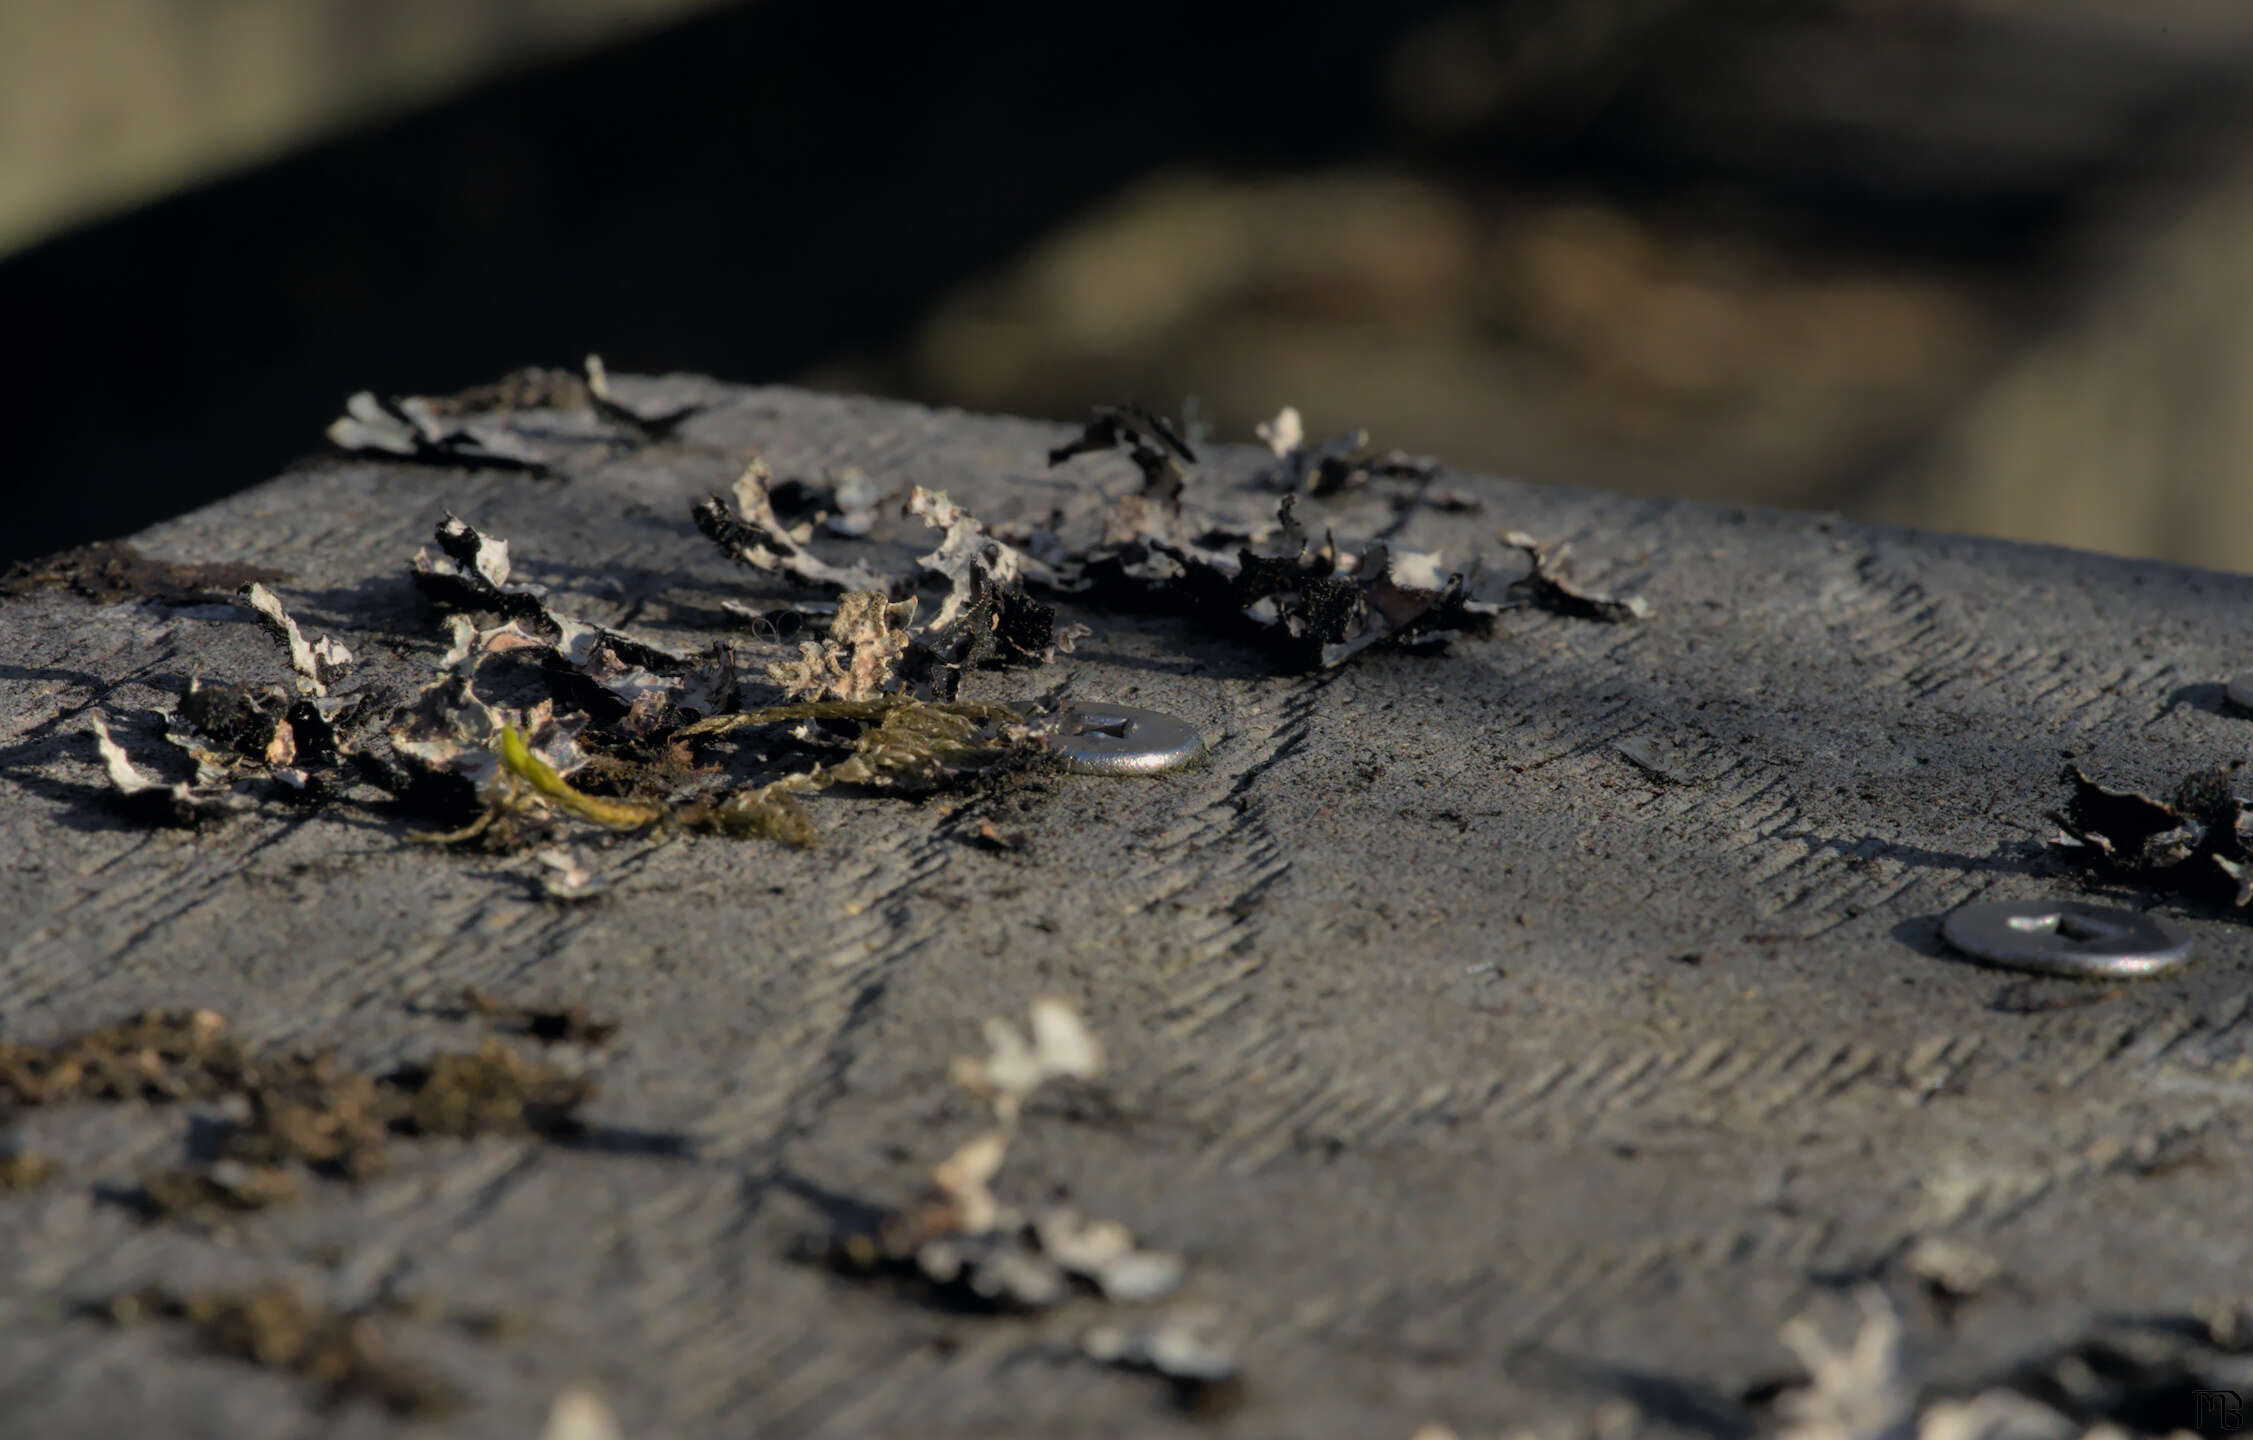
<point>1977,265</point>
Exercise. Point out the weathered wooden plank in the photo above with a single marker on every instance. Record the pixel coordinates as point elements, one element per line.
<point>1405,1052</point>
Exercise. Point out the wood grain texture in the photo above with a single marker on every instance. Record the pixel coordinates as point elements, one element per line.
<point>1404,1054</point>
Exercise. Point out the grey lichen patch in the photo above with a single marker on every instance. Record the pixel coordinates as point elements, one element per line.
<point>274,1328</point>
<point>859,658</point>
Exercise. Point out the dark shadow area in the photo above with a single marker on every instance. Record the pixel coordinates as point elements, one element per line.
<point>840,1212</point>
<point>620,1140</point>
<point>2211,698</point>
<point>2019,857</point>
<point>741,196</point>
<point>1678,1404</point>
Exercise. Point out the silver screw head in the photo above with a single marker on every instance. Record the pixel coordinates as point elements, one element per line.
<point>1121,740</point>
<point>2066,937</point>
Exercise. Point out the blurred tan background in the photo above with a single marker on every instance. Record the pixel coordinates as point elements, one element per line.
<point>104,103</point>
<point>1980,265</point>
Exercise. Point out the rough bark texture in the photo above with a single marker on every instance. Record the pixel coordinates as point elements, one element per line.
<point>1406,1050</point>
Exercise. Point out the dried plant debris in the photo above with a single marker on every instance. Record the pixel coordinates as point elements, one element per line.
<point>318,663</point>
<point>242,739</point>
<point>539,720</point>
<point>1016,1063</point>
<point>1865,1391</point>
<point>483,426</point>
<point>846,506</point>
<point>276,1329</point>
<point>470,573</point>
<point>750,533</point>
<point>1546,587</point>
<point>1189,1348</point>
<point>1311,606</point>
<point>411,428</point>
<point>112,570</point>
<point>1338,466</point>
<point>2122,1377</point>
<point>157,801</point>
<point>963,1246</point>
<point>987,619</point>
<point>647,423</point>
<point>1151,442</point>
<point>580,1414</point>
<point>520,772</point>
<point>1951,1270</point>
<point>899,744</point>
<point>2198,842</point>
<point>2116,1380</point>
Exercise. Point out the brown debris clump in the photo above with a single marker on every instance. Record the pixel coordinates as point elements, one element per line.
<point>158,1055</point>
<point>275,1329</point>
<point>298,1110</point>
<point>489,1091</point>
<point>229,1187</point>
<point>21,1170</point>
<point>111,571</point>
<point>549,1024</point>
<point>305,1110</point>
